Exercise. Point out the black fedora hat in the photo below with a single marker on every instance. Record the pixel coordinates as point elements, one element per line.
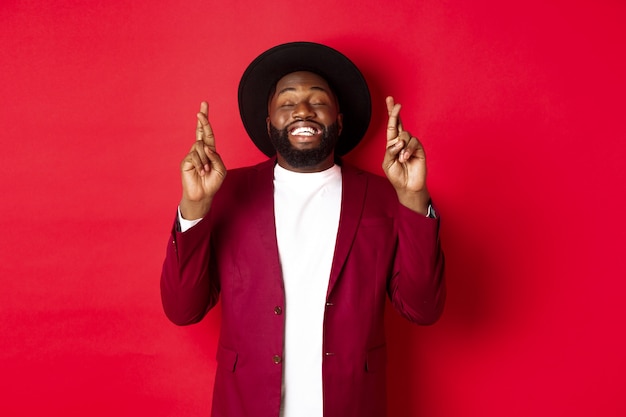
<point>343,77</point>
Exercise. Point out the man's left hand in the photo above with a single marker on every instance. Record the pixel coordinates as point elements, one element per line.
<point>405,163</point>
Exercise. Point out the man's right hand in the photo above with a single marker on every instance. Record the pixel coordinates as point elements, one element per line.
<point>202,170</point>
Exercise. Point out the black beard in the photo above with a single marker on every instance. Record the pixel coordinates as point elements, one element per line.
<point>304,158</point>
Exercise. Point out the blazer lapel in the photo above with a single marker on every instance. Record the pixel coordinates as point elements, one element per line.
<point>261,196</point>
<point>352,200</point>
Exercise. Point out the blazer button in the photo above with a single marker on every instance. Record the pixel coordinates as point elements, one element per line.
<point>278,310</point>
<point>277,359</point>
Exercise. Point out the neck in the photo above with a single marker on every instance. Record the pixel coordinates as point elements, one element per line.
<point>321,166</point>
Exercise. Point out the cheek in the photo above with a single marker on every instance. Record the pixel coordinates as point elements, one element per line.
<point>332,117</point>
<point>277,118</point>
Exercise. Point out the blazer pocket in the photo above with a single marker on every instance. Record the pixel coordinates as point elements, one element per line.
<point>226,358</point>
<point>376,359</point>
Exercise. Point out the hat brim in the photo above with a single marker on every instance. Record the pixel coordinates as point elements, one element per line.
<point>342,75</point>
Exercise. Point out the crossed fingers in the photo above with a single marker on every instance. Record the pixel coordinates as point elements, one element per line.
<point>400,143</point>
<point>204,132</point>
<point>205,141</point>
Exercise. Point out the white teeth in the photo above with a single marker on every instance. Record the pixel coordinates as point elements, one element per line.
<point>303,131</point>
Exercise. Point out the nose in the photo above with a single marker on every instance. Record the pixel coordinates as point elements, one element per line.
<point>303,111</point>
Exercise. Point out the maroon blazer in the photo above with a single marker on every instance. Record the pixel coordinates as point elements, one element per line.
<point>382,249</point>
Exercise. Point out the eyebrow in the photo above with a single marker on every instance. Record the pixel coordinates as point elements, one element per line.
<point>316,88</point>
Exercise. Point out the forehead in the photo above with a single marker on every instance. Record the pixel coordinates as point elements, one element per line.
<point>302,80</point>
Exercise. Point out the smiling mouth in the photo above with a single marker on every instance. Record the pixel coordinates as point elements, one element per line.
<point>305,131</point>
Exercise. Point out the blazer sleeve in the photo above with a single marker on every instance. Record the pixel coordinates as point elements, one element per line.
<point>417,286</point>
<point>188,290</point>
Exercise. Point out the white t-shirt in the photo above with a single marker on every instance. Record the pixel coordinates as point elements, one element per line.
<point>307,208</point>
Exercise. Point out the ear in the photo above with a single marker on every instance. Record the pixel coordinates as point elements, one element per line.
<point>267,123</point>
<point>340,122</point>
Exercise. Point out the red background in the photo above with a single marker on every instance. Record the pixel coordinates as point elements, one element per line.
<point>520,106</point>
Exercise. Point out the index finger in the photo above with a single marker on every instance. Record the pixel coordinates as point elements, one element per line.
<point>204,132</point>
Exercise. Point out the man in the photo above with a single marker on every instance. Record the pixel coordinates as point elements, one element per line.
<point>302,249</point>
